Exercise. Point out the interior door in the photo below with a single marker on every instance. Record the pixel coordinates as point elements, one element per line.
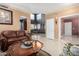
<point>68,28</point>
<point>50,28</point>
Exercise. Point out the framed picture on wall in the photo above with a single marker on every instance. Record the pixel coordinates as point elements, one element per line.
<point>6,16</point>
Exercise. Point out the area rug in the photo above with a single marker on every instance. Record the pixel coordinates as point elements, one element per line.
<point>42,53</point>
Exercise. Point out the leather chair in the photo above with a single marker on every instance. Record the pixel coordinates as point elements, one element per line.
<point>9,37</point>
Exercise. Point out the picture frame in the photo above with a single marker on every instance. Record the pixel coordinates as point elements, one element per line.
<point>6,16</point>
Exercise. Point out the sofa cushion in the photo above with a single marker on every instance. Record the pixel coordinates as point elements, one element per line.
<point>20,33</point>
<point>23,38</point>
<point>12,39</point>
<point>9,34</point>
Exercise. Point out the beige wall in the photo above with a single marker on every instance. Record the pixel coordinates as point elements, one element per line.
<point>16,23</point>
<point>64,12</point>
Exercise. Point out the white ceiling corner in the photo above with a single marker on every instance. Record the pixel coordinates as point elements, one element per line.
<point>40,7</point>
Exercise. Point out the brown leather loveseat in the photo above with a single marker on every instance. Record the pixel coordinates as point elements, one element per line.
<point>9,37</point>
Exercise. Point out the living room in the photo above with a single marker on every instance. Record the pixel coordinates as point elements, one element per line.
<point>40,25</point>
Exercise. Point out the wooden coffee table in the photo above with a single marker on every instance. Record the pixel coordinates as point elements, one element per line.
<point>17,50</point>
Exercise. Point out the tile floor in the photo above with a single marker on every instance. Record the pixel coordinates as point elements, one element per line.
<point>55,46</point>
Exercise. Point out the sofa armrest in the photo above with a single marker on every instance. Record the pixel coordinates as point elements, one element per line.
<point>3,43</point>
<point>28,35</point>
<point>2,37</point>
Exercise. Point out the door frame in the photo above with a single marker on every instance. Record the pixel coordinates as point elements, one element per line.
<point>59,23</point>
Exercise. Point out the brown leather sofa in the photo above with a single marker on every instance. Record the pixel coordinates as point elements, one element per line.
<point>9,37</point>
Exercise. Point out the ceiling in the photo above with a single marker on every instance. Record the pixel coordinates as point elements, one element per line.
<point>39,7</point>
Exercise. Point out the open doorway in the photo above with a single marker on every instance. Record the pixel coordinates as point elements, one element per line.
<point>38,23</point>
<point>69,27</point>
